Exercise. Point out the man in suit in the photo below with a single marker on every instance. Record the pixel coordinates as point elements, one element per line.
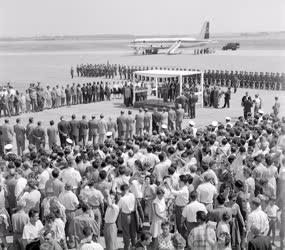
<point>247,104</point>
<point>171,119</point>
<point>52,133</point>
<point>139,122</point>
<point>156,120</point>
<point>122,125</point>
<point>130,125</point>
<point>74,129</point>
<point>102,129</point>
<point>7,133</point>
<point>83,130</point>
<point>93,129</point>
<point>20,132</point>
<point>63,129</point>
<point>179,117</point>
<point>193,99</point>
<point>39,136</point>
<point>227,97</point>
<point>147,120</point>
<point>29,129</point>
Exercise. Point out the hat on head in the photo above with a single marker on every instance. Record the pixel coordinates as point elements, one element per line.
<point>69,141</point>
<point>228,118</point>
<point>8,147</point>
<point>256,201</point>
<point>214,123</point>
<point>192,123</point>
<point>109,133</point>
<point>164,126</point>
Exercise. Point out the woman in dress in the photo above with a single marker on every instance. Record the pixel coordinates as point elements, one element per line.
<point>224,233</point>
<point>237,225</point>
<point>158,212</point>
<point>149,194</point>
<point>165,238</point>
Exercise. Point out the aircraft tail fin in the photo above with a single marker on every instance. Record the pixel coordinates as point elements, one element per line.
<point>205,31</point>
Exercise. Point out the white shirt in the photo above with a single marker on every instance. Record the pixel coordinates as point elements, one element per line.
<point>69,200</point>
<point>127,203</point>
<point>71,176</point>
<point>59,226</point>
<point>112,213</point>
<point>259,219</point>
<point>189,212</point>
<point>43,178</point>
<point>136,189</point>
<point>91,246</point>
<point>161,169</point>
<point>32,198</point>
<point>31,231</point>
<point>206,192</point>
<point>119,181</point>
<point>181,196</point>
<point>20,185</point>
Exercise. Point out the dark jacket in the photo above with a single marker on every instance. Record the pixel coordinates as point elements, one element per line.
<point>260,243</point>
<point>74,127</point>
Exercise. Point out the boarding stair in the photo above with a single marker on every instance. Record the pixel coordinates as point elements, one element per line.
<point>173,49</point>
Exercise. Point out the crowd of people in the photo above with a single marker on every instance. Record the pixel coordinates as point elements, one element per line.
<point>37,98</point>
<point>236,79</point>
<point>162,185</point>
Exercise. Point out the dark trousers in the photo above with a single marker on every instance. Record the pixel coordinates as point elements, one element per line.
<point>129,229</point>
<point>178,217</point>
<point>227,103</point>
<point>74,138</point>
<point>192,112</point>
<point>62,141</point>
<point>83,139</point>
<point>20,147</point>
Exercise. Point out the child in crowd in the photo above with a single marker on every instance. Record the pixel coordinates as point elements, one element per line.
<point>271,211</point>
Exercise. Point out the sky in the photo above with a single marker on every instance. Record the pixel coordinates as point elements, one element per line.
<point>137,17</point>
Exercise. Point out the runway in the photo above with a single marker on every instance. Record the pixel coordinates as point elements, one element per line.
<point>49,62</point>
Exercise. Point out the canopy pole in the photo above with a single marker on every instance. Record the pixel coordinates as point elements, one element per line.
<point>180,81</point>
<point>202,88</point>
<point>134,90</point>
<point>156,87</point>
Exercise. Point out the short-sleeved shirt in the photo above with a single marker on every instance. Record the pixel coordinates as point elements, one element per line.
<point>31,231</point>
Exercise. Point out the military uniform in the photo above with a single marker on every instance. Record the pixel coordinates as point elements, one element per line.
<point>52,133</point>
<point>171,119</point>
<point>93,130</point>
<point>63,130</point>
<point>122,126</point>
<point>20,132</point>
<point>83,131</point>
<point>192,100</point>
<point>102,129</point>
<point>130,126</point>
<point>39,137</point>
<point>139,118</point>
<point>179,118</point>
<point>74,131</point>
<point>147,121</point>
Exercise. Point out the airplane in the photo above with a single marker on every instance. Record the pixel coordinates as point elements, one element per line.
<point>147,46</point>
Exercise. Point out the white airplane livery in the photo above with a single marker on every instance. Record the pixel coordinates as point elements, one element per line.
<point>172,44</point>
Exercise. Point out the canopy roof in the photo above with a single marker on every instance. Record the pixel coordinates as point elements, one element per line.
<point>166,73</point>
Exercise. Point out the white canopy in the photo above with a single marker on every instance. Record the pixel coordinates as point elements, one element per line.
<point>170,73</point>
<point>166,73</point>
